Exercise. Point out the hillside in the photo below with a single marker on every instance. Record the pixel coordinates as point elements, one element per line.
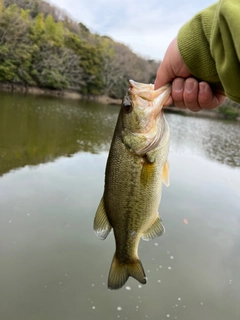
<point>41,46</point>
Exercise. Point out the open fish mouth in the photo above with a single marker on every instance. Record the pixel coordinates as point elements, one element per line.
<point>152,126</point>
<point>147,92</point>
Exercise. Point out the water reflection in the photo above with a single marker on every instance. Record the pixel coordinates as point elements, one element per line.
<point>52,265</point>
<point>36,130</point>
<point>217,139</point>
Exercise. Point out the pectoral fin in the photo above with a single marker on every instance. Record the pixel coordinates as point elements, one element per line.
<point>101,224</point>
<point>165,174</point>
<point>156,230</point>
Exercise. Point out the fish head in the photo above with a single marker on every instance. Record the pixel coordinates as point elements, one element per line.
<point>142,116</point>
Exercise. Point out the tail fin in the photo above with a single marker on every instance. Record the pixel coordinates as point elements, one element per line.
<point>119,273</point>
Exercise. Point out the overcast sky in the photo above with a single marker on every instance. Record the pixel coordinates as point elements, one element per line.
<point>146,26</point>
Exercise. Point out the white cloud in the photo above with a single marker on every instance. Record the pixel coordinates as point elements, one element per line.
<point>146,27</point>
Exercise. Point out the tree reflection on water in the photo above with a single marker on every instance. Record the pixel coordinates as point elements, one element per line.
<point>36,130</point>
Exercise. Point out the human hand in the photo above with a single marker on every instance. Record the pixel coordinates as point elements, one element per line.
<point>187,92</point>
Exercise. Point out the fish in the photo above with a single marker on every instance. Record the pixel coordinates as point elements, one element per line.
<point>137,165</point>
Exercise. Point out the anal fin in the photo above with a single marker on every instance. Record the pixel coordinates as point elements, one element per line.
<point>165,174</point>
<point>156,230</point>
<point>101,224</point>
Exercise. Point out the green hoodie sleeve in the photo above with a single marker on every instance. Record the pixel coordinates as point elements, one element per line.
<point>210,46</point>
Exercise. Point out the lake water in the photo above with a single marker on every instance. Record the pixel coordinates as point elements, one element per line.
<point>52,267</point>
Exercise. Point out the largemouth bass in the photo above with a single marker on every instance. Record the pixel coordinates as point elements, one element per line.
<point>136,167</point>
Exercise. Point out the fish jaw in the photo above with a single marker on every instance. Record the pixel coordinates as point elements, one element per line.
<point>143,125</point>
<point>147,92</point>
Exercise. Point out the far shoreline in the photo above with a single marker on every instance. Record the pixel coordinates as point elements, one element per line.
<point>75,95</point>
<point>60,93</point>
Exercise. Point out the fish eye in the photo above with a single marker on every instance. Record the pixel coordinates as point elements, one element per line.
<point>127,107</point>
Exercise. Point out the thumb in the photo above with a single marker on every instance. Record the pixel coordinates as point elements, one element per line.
<point>162,79</point>
<point>163,76</point>
<point>171,67</point>
<point>166,72</point>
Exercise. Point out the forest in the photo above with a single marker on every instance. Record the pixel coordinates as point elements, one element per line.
<point>41,46</point>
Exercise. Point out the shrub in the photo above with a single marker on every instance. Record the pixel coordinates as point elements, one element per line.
<point>229,112</point>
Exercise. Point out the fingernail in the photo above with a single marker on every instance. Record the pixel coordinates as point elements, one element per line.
<point>202,88</point>
<point>189,86</point>
<point>178,85</point>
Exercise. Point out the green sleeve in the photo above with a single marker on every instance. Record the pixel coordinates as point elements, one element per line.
<point>210,46</point>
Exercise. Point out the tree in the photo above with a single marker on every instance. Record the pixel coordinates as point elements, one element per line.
<point>56,68</point>
<point>1,6</point>
<point>32,5</point>
<point>7,68</point>
<point>90,63</point>
<point>41,45</point>
<point>37,29</point>
<point>54,32</point>
<point>16,47</point>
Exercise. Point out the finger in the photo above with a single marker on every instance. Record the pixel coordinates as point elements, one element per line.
<point>172,66</point>
<point>177,92</point>
<point>207,99</point>
<point>169,102</point>
<point>162,77</point>
<point>166,72</point>
<point>190,94</point>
